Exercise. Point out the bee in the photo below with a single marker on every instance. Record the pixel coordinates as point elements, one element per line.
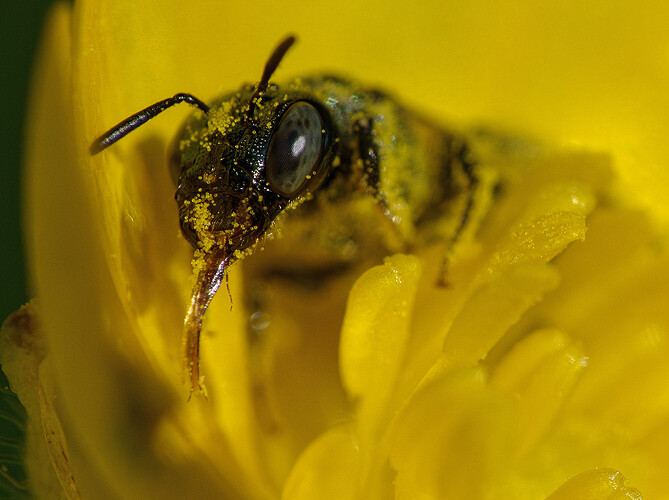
<point>380,178</point>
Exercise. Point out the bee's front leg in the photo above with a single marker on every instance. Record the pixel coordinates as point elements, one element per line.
<point>462,166</point>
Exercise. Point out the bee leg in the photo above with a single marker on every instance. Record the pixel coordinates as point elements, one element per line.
<point>462,160</point>
<point>366,177</point>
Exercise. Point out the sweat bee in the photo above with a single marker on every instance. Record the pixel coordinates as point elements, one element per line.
<point>269,157</point>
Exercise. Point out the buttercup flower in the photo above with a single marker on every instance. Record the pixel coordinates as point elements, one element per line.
<point>539,371</point>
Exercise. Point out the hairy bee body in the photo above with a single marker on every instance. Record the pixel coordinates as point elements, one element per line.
<point>346,174</point>
<point>377,153</point>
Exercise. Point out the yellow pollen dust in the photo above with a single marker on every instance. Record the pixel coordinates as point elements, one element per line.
<point>200,218</point>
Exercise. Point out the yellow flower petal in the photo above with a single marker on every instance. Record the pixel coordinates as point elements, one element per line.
<point>492,309</point>
<point>327,469</point>
<point>540,371</point>
<point>602,484</point>
<point>375,331</point>
<point>452,440</point>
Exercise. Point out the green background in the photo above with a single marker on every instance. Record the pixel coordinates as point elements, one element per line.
<point>20,27</point>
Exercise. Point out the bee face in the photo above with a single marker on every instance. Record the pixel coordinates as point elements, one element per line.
<point>245,162</point>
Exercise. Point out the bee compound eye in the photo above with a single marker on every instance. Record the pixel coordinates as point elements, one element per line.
<point>295,149</point>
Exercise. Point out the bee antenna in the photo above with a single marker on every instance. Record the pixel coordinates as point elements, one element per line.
<point>140,118</point>
<point>270,67</point>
